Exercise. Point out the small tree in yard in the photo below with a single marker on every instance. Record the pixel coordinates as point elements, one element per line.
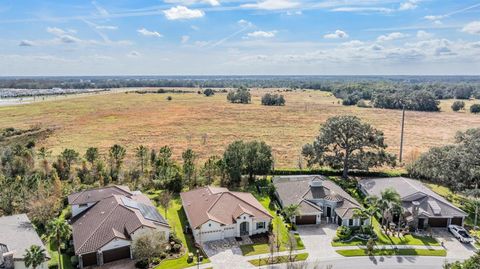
<point>292,245</point>
<point>345,142</point>
<point>458,105</point>
<point>149,245</point>
<point>34,256</point>
<point>370,246</point>
<point>164,200</point>
<point>290,212</point>
<point>189,158</point>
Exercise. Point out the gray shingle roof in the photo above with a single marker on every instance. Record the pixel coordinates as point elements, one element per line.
<point>431,204</point>
<point>95,195</point>
<point>295,189</point>
<point>17,234</point>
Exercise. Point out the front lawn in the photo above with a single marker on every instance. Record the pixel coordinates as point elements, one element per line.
<point>279,227</point>
<point>177,219</point>
<point>384,239</point>
<point>391,252</point>
<point>278,259</point>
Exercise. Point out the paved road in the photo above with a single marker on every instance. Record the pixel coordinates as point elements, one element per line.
<point>394,262</point>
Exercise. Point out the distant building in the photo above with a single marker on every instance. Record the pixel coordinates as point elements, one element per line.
<point>217,213</point>
<point>423,207</point>
<point>105,221</point>
<point>16,236</point>
<point>318,198</point>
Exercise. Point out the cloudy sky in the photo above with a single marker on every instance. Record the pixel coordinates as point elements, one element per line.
<point>225,37</point>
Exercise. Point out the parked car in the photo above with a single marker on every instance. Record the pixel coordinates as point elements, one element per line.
<point>460,233</point>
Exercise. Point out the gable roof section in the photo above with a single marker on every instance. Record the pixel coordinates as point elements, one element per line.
<point>18,234</point>
<point>220,205</point>
<point>431,204</point>
<point>113,217</point>
<point>95,195</point>
<point>296,189</point>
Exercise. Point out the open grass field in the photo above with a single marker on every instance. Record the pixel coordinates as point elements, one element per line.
<point>208,124</point>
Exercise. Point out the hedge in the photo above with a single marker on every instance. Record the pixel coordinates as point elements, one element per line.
<point>330,172</point>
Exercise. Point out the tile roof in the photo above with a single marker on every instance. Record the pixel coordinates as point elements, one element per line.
<point>220,205</point>
<point>95,195</point>
<point>18,234</point>
<point>113,217</point>
<point>295,189</point>
<point>431,204</point>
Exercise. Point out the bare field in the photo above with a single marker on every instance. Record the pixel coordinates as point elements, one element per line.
<point>208,124</point>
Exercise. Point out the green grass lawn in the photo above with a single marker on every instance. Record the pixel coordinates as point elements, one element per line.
<point>391,252</point>
<point>279,259</point>
<point>279,228</point>
<point>65,259</point>
<point>384,239</point>
<point>177,219</point>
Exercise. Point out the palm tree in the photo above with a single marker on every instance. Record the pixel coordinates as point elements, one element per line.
<point>58,231</point>
<point>389,198</point>
<point>117,154</point>
<point>290,212</point>
<point>34,256</point>
<point>141,153</point>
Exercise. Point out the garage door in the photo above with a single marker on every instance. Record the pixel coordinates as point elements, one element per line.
<point>302,220</point>
<point>116,254</point>
<point>211,235</point>
<point>457,221</point>
<point>437,222</point>
<point>89,259</point>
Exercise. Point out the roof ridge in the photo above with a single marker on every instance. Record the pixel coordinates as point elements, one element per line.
<point>100,224</point>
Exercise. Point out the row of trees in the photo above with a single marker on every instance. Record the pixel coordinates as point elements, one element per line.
<point>411,100</point>
<point>460,105</point>
<point>273,100</point>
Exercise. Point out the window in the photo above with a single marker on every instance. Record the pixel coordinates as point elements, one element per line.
<point>260,225</point>
<point>209,225</point>
<point>82,205</point>
<point>350,222</point>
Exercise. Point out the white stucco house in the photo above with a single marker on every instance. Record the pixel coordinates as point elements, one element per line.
<point>217,213</point>
<point>17,234</point>
<point>318,199</point>
<point>105,221</point>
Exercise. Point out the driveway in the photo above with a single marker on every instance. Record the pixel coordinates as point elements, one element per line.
<point>455,249</point>
<point>318,240</point>
<point>121,264</point>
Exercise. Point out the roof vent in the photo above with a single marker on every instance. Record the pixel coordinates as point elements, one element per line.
<point>316,182</point>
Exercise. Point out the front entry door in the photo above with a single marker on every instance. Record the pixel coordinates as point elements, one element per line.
<point>244,228</point>
<point>329,212</point>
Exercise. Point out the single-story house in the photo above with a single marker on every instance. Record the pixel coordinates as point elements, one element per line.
<point>17,234</point>
<point>217,213</point>
<point>317,198</point>
<point>423,207</point>
<point>109,221</point>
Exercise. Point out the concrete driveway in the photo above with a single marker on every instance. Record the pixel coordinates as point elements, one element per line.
<point>455,249</point>
<point>318,240</point>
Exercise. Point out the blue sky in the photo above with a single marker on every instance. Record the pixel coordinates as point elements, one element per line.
<point>228,37</point>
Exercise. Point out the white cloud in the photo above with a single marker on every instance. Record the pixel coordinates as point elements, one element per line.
<point>353,43</point>
<point>337,34</point>
<point>433,17</point>
<point>408,5</point>
<point>134,54</point>
<point>245,23</point>
<point>262,34</point>
<point>69,39</point>
<point>26,43</point>
<point>103,12</point>
<point>391,36</point>
<point>185,39</point>
<point>195,28</point>
<point>272,5</point>
<point>146,32</point>
<point>424,35</point>
<point>293,13</point>
<point>363,9</point>
<point>192,2</point>
<point>472,28</point>
<point>181,12</point>
<point>106,27</point>
<point>56,31</point>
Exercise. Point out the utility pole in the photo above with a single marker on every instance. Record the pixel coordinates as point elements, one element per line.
<point>401,136</point>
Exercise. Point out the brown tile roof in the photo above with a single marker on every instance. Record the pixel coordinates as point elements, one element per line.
<point>220,205</point>
<point>113,217</point>
<point>95,195</point>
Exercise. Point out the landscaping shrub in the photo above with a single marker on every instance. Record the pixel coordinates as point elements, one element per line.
<point>458,105</point>
<point>190,257</point>
<point>74,261</point>
<point>142,264</point>
<point>344,232</point>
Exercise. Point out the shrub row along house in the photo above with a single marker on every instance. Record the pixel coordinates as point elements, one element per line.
<point>105,221</point>
<point>317,199</point>
<point>217,213</point>
<point>423,207</point>
<point>17,234</point>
